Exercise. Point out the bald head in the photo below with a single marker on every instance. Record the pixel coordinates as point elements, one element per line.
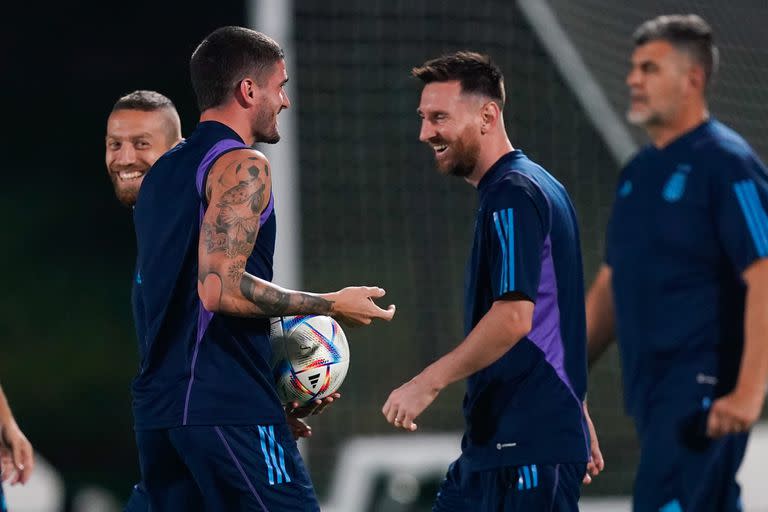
<point>153,101</point>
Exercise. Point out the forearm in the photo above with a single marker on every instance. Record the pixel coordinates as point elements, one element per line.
<point>246,295</point>
<point>600,316</point>
<point>6,417</point>
<point>268,299</point>
<point>753,374</point>
<point>496,333</point>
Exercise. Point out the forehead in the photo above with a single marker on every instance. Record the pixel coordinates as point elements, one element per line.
<point>440,96</point>
<point>132,123</point>
<point>277,73</point>
<point>655,51</point>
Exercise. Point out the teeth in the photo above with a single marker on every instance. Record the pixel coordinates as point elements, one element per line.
<point>130,175</point>
<point>440,148</point>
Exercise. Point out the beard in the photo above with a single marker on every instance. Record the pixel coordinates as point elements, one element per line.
<point>126,193</point>
<point>463,161</point>
<point>265,127</point>
<point>643,119</point>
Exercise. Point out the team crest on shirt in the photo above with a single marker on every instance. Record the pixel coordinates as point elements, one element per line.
<point>675,186</point>
<point>625,189</point>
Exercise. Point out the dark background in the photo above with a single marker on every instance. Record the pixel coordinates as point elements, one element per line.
<point>67,344</point>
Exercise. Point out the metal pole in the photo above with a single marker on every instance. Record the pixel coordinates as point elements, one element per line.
<point>275,18</point>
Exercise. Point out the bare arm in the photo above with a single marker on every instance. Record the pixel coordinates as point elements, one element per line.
<point>498,331</point>
<point>739,410</point>
<point>753,373</point>
<point>238,190</point>
<point>15,450</point>
<point>600,315</point>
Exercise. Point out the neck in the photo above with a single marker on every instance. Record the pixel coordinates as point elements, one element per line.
<point>664,134</point>
<point>230,117</point>
<point>490,153</point>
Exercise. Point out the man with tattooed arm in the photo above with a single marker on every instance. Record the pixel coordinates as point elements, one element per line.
<point>211,431</point>
<point>141,127</point>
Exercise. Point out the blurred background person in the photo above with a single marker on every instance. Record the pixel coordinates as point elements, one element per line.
<point>685,280</point>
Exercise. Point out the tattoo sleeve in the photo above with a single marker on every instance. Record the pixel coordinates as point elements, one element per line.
<point>228,233</point>
<point>236,223</point>
<point>275,301</point>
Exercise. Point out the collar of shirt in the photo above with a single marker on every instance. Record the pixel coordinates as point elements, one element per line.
<point>496,169</point>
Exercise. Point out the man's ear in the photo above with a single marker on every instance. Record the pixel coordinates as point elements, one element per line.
<point>246,91</point>
<point>490,114</point>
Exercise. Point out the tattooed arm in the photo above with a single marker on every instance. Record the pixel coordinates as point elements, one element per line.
<point>238,190</point>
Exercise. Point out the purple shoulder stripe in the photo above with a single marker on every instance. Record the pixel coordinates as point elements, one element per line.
<point>204,316</point>
<point>215,152</point>
<point>267,211</point>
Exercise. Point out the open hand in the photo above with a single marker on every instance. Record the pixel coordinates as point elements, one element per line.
<point>354,305</point>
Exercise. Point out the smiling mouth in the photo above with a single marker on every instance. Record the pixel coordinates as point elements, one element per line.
<point>439,148</point>
<point>129,175</point>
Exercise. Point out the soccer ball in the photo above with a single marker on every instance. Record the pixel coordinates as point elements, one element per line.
<point>310,357</point>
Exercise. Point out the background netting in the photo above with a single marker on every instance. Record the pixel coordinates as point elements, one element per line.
<point>375,211</point>
<point>601,31</point>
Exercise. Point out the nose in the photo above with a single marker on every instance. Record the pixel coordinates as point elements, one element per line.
<point>286,101</point>
<point>126,155</point>
<point>427,131</point>
<point>633,78</point>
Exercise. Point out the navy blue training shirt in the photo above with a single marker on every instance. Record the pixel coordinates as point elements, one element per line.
<point>687,220</point>
<point>527,406</point>
<point>197,368</point>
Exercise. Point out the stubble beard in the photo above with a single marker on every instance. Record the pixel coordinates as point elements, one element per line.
<point>265,128</point>
<point>465,161</point>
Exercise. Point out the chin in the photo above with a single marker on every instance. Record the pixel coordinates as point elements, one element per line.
<point>272,138</point>
<point>127,195</point>
<point>639,118</point>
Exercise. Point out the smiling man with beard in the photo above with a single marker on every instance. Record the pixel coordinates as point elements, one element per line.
<point>527,440</point>
<point>211,431</point>
<point>141,127</point>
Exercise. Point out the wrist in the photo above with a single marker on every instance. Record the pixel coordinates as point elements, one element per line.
<point>750,389</point>
<point>330,299</point>
<point>433,378</point>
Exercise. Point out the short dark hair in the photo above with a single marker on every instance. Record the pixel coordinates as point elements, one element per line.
<point>146,101</point>
<point>475,71</point>
<point>225,57</point>
<point>688,33</point>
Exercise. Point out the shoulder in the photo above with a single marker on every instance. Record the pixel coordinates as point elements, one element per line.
<point>238,161</point>
<point>727,155</point>
<point>642,158</point>
<point>517,189</point>
<point>241,167</point>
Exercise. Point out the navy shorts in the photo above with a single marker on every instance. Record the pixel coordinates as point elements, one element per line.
<point>454,494</point>
<point>224,468</point>
<point>3,504</point>
<point>545,488</point>
<point>681,469</point>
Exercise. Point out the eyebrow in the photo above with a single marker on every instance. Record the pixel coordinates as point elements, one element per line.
<point>142,135</point>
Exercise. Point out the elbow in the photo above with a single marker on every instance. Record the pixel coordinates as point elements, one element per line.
<point>522,326</point>
<point>210,291</point>
<point>516,318</point>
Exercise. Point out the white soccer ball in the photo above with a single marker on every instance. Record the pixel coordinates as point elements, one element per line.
<point>310,357</point>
